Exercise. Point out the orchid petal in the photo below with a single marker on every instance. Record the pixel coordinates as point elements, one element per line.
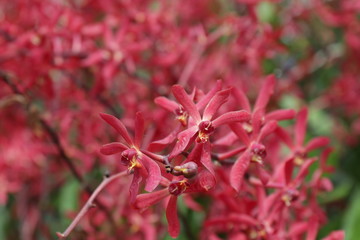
<point>160,144</point>
<point>300,127</point>
<point>241,133</point>
<point>269,128</point>
<point>230,117</point>
<point>282,114</point>
<point>316,143</point>
<point>206,158</point>
<point>206,99</point>
<point>257,121</point>
<point>241,97</point>
<point>238,170</point>
<point>186,102</point>
<point>215,103</point>
<point>167,104</point>
<point>134,186</point>
<point>148,199</point>
<point>112,148</point>
<point>172,217</point>
<point>118,126</point>
<point>284,136</point>
<point>139,129</point>
<point>154,173</point>
<point>266,91</point>
<point>183,140</point>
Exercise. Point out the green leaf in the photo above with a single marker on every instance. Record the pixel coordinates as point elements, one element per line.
<point>352,218</point>
<point>69,196</point>
<point>266,12</point>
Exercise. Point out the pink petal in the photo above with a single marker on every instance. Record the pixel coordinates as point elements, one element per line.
<point>303,171</point>
<point>134,186</point>
<point>300,127</point>
<point>154,174</point>
<point>206,99</point>
<point>206,158</point>
<point>112,148</point>
<point>266,91</point>
<point>238,170</point>
<point>186,102</point>
<point>191,203</point>
<point>148,199</point>
<point>229,154</point>
<point>317,143</point>
<point>167,104</point>
<point>172,217</point>
<point>159,145</point>
<point>313,228</point>
<point>241,133</point>
<point>139,129</point>
<point>257,121</point>
<point>118,126</point>
<point>284,136</point>
<point>195,154</point>
<point>226,140</point>
<point>215,103</point>
<point>282,114</point>
<point>241,97</point>
<point>230,117</point>
<point>269,128</point>
<point>183,140</point>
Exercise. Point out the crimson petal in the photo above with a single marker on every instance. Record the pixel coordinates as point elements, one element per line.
<point>112,148</point>
<point>172,217</point>
<point>186,102</point>
<point>154,174</point>
<point>230,117</point>
<point>238,170</point>
<point>118,126</point>
<point>215,103</point>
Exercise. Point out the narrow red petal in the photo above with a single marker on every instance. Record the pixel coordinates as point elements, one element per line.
<point>112,148</point>
<point>206,99</point>
<point>303,171</point>
<point>118,126</point>
<point>215,103</point>
<point>269,128</point>
<point>241,133</point>
<point>148,199</point>
<point>160,144</point>
<point>154,174</point>
<point>183,140</point>
<point>186,102</point>
<point>257,121</point>
<point>284,136</point>
<point>139,129</point>
<point>172,217</point>
<point>300,127</point>
<point>317,143</point>
<point>241,97</point>
<point>230,117</point>
<point>206,158</point>
<point>282,114</point>
<point>167,104</point>
<point>134,186</point>
<point>266,91</point>
<point>238,170</point>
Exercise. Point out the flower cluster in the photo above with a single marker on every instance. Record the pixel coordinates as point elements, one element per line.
<point>255,172</point>
<point>225,148</point>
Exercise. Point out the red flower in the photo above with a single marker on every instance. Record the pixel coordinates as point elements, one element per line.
<point>131,155</point>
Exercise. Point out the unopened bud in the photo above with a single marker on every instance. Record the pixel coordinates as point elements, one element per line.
<point>188,170</point>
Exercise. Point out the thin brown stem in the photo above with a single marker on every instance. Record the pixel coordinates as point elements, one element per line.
<point>90,203</point>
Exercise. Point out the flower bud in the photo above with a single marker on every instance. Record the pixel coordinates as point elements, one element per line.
<point>188,170</point>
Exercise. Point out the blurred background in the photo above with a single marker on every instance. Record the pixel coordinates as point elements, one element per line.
<point>64,62</point>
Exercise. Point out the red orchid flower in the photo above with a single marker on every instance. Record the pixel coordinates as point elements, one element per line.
<point>131,155</point>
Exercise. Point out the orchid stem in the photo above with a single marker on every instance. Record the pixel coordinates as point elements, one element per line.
<point>90,203</point>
